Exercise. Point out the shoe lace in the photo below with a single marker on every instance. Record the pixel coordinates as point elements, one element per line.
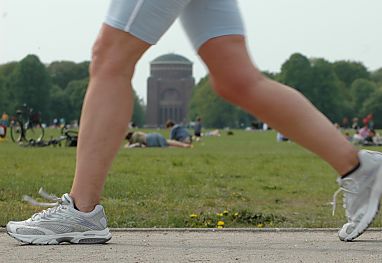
<point>54,207</point>
<point>345,183</point>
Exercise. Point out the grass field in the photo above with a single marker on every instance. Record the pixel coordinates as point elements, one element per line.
<point>244,180</point>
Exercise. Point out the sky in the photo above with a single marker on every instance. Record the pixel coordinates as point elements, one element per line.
<point>332,29</point>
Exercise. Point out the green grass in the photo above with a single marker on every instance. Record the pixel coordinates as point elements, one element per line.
<point>255,180</point>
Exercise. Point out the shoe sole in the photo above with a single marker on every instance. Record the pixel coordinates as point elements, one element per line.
<point>372,211</point>
<point>88,237</point>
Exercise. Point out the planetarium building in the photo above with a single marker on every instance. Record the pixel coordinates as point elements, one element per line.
<point>169,89</point>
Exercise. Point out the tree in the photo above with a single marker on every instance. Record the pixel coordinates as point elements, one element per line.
<point>361,90</point>
<point>138,117</point>
<point>59,104</point>
<point>30,84</point>
<point>7,100</point>
<point>63,72</point>
<point>297,73</point>
<point>348,71</point>
<point>75,92</point>
<point>376,76</point>
<point>326,88</point>
<point>373,105</point>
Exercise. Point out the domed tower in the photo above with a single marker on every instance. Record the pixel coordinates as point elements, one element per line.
<point>169,89</point>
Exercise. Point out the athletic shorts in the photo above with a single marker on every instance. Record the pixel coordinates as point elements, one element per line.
<point>202,20</point>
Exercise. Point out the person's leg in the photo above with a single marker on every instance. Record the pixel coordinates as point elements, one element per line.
<point>173,143</point>
<point>235,78</point>
<point>108,104</point>
<point>107,107</point>
<point>130,28</point>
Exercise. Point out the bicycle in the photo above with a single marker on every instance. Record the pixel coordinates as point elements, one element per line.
<point>71,137</point>
<point>26,126</point>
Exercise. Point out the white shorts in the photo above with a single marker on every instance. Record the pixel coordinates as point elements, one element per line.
<point>202,20</point>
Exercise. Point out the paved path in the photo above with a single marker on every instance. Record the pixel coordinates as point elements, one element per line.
<point>166,245</point>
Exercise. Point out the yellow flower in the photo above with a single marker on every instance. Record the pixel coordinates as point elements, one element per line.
<point>260,225</point>
<point>225,212</point>
<point>193,215</point>
<point>220,224</point>
<point>219,214</point>
<point>236,214</point>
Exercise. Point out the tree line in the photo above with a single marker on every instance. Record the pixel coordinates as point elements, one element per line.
<point>56,90</point>
<point>341,90</point>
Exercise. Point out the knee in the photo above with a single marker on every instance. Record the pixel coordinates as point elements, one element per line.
<point>106,62</point>
<point>235,87</point>
<point>110,58</point>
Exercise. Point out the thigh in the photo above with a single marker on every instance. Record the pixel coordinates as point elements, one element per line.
<point>147,20</point>
<point>206,19</point>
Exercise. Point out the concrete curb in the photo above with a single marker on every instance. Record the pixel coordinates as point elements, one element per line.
<point>249,230</point>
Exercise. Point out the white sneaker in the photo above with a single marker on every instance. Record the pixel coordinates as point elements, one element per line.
<point>362,194</point>
<point>62,223</point>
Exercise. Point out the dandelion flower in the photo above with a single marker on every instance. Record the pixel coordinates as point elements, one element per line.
<point>193,215</point>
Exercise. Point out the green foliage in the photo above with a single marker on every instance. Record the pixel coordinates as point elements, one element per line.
<point>316,80</point>
<point>75,93</point>
<point>361,90</point>
<point>297,72</point>
<point>231,218</point>
<point>338,89</point>
<point>138,117</point>
<point>373,105</point>
<point>63,72</point>
<point>7,100</point>
<point>57,90</point>
<point>59,103</point>
<point>348,71</point>
<point>376,76</point>
<point>30,84</point>
<point>326,88</point>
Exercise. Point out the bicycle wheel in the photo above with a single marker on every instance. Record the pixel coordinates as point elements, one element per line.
<point>35,133</point>
<point>17,131</point>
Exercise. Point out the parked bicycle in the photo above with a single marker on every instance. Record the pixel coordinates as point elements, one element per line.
<point>26,126</point>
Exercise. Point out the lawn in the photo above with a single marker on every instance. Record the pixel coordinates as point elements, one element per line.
<point>244,180</point>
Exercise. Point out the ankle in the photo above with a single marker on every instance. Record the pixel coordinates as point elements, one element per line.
<point>347,162</point>
<point>82,206</point>
<point>355,168</point>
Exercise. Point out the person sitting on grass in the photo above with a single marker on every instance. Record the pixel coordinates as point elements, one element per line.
<point>361,135</point>
<point>372,139</point>
<point>141,139</point>
<point>178,133</point>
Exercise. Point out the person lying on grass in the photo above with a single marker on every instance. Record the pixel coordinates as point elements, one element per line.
<point>141,139</point>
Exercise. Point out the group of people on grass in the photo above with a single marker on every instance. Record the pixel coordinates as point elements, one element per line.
<point>364,135</point>
<point>179,137</point>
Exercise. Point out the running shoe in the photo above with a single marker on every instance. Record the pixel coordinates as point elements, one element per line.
<point>61,223</point>
<point>362,193</point>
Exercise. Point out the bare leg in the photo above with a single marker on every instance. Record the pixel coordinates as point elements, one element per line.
<point>236,79</point>
<point>107,106</point>
<point>174,143</point>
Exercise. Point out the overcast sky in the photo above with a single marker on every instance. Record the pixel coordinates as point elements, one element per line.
<point>332,29</point>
